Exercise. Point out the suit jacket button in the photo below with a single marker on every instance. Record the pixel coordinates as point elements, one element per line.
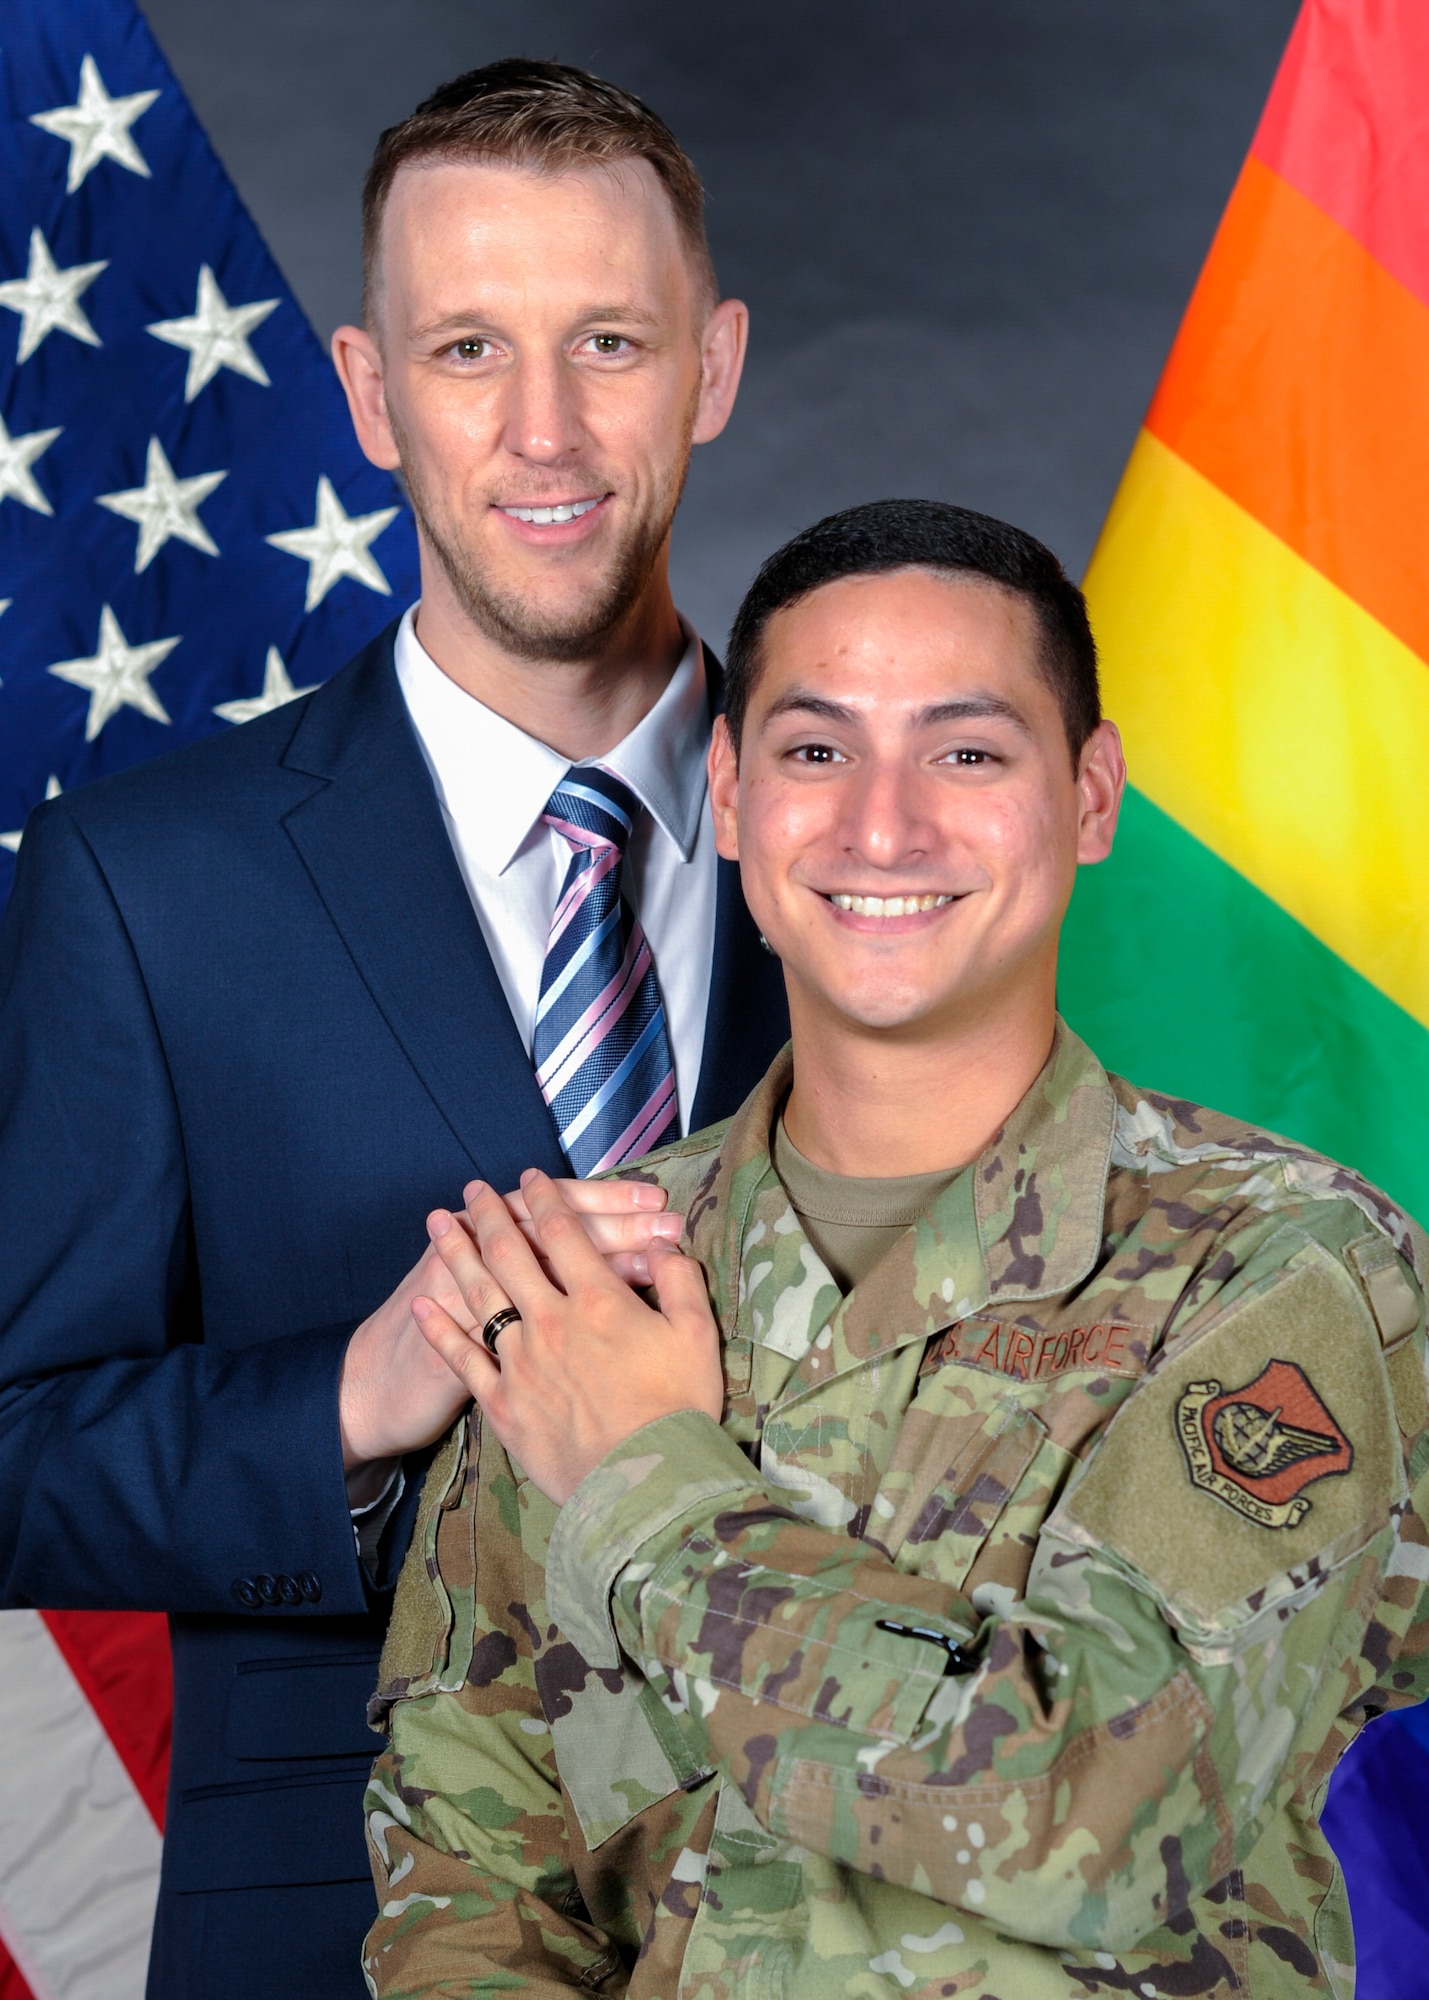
<point>309,1585</point>
<point>246,1591</point>
<point>267,1588</point>
<point>290,1590</point>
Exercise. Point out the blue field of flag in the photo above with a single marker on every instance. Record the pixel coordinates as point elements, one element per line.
<point>188,530</point>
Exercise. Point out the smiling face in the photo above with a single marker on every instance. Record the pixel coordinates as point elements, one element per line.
<point>543,358</point>
<point>905,814</point>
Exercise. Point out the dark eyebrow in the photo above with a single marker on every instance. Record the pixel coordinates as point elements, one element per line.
<point>799,701</point>
<point>974,708</point>
<point>968,708</point>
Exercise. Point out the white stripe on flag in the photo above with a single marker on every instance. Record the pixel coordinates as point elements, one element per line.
<point>79,1854</point>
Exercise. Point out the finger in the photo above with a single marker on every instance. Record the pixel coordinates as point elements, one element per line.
<point>478,1288</point>
<point>609,1197</point>
<point>632,1231</point>
<point>680,1288</point>
<point>467,1358</point>
<point>602,1198</point>
<point>631,1267</point>
<point>434,1281</point>
<point>611,1235</point>
<point>506,1255</point>
<point>563,1237</point>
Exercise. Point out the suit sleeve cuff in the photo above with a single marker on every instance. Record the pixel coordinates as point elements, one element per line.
<point>623,1515</point>
<point>370,1521</point>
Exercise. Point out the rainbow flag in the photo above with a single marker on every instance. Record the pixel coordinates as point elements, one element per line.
<point>1260,939</point>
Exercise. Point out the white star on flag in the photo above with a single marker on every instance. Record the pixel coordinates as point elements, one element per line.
<point>117,675</point>
<point>97,128</point>
<point>165,507</point>
<point>216,336</point>
<point>17,455</point>
<point>336,546</point>
<point>52,791</point>
<point>278,690</point>
<point>47,297</point>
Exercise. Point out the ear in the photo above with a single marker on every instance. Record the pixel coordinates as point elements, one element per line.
<point>724,790</point>
<point>1101,780</point>
<point>358,361</point>
<point>722,349</point>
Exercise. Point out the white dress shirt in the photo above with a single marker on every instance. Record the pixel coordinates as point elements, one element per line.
<point>493,782</point>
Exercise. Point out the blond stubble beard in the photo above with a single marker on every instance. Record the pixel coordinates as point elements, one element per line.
<point>514,622</point>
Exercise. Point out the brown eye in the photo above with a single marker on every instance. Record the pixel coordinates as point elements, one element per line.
<point>471,350</point>
<point>608,343</point>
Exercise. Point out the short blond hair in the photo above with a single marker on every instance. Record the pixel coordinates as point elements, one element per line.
<point>542,115</point>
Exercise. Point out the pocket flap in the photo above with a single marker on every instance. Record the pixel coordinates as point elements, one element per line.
<point>291,1709</point>
<point>619,1752</point>
<point>952,1473</point>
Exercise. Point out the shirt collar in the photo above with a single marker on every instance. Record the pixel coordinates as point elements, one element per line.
<point>1024,1221</point>
<point>465,743</point>
<point>663,758</point>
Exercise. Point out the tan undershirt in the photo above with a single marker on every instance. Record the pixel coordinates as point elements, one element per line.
<point>851,1220</point>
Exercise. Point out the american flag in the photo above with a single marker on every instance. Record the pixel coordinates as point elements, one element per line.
<point>188,536</point>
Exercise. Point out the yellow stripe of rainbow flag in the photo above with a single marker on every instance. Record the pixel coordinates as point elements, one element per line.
<point>1300,746</point>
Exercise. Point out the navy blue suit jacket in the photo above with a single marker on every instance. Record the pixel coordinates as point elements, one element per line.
<point>250,1034</point>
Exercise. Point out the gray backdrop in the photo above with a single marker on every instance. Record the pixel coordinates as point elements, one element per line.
<point>966,228</point>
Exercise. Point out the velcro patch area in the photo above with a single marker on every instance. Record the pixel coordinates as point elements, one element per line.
<point>1263,1443</point>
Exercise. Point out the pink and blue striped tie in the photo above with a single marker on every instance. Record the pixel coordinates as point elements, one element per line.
<point>600,1047</point>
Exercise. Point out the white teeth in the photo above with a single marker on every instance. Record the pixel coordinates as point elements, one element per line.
<point>888,906</point>
<point>546,517</point>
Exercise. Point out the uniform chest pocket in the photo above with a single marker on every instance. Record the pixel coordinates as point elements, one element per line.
<point>963,1451</point>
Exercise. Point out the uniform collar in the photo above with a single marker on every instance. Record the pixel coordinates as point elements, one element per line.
<point>1023,1221</point>
<point>495,780</point>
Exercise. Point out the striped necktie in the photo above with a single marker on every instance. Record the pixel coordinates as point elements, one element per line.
<point>600,1047</point>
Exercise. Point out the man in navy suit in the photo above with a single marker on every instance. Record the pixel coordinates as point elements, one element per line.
<point>268,1001</point>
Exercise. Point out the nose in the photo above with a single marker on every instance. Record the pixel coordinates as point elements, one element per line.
<point>885,822</point>
<point>542,417</point>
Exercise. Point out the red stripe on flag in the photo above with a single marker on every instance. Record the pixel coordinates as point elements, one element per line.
<point>121,1660</point>
<point>12,1986</point>
<point>1348,124</point>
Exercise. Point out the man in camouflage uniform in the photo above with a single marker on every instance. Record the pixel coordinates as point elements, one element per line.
<point>989,1624</point>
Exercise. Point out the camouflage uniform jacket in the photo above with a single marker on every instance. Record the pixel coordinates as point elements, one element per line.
<point>1002,1639</point>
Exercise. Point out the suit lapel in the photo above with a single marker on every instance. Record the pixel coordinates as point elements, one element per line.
<point>747,1021</point>
<point>375,845</point>
<point>748,1018</point>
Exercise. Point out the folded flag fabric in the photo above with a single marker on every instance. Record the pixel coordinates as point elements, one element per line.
<point>189,536</point>
<point>1260,939</point>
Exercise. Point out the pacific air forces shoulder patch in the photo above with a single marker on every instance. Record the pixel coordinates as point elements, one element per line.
<point>1258,1447</point>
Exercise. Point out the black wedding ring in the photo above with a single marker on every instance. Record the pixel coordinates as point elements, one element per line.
<point>497,1325</point>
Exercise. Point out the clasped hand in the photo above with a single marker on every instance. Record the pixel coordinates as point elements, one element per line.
<point>397,1394</point>
<point>589,1362</point>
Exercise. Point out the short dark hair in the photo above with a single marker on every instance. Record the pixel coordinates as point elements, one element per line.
<point>534,114</point>
<point>886,535</point>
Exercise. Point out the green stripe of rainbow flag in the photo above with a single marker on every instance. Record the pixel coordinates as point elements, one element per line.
<point>1260,938</point>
